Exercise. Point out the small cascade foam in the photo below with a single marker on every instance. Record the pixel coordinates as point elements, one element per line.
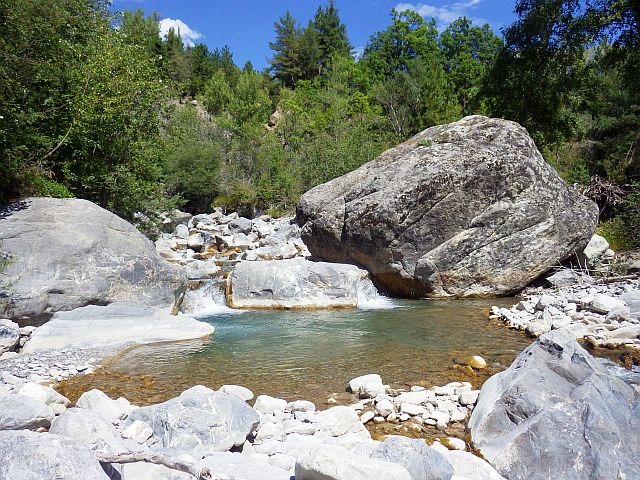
<point>370,299</point>
<point>208,299</point>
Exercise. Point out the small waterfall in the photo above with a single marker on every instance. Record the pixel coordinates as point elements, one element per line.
<point>206,297</point>
<point>370,299</point>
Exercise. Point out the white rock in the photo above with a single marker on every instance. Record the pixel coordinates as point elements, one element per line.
<point>138,431</point>
<point>301,406</point>
<point>239,391</point>
<point>469,398</point>
<point>416,398</point>
<point>270,431</point>
<point>367,416</point>
<point>339,420</point>
<point>456,443</point>
<point>413,410</point>
<point>333,463</point>
<point>269,405</point>
<point>596,247</point>
<point>467,466</point>
<point>98,401</point>
<point>384,407</point>
<point>43,393</point>
<point>604,304</point>
<point>356,383</point>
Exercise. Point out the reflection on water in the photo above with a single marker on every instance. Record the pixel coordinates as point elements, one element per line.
<point>310,355</point>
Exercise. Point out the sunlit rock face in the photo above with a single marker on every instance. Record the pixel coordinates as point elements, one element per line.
<point>465,209</point>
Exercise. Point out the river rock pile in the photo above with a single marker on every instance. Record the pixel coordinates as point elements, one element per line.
<point>50,365</point>
<point>604,314</point>
<point>216,430</point>
<point>221,237</point>
<point>437,407</point>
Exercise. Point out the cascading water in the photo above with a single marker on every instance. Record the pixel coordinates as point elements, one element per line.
<point>207,298</point>
<point>370,299</point>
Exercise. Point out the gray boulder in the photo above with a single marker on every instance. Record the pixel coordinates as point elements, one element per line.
<point>114,324</point>
<point>420,460</point>
<point>198,422</point>
<point>557,409</point>
<point>89,428</point>
<point>9,335</point>
<point>455,210</point>
<point>294,283</point>
<point>335,463</point>
<point>45,456</point>
<point>68,253</point>
<point>19,412</point>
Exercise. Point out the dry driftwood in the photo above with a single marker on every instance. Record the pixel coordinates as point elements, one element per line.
<point>156,458</point>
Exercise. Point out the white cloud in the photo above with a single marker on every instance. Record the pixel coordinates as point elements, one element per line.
<point>188,35</point>
<point>444,14</point>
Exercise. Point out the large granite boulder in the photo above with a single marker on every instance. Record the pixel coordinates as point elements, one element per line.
<point>45,456</point>
<point>466,209</point>
<point>558,409</point>
<point>198,422</point>
<point>113,324</point>
<point>68,253</point>
<point>294,283</point>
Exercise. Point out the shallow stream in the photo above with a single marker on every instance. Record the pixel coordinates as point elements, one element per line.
<point>313,354</point>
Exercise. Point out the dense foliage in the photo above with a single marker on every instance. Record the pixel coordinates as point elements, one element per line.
<point>98,105</point>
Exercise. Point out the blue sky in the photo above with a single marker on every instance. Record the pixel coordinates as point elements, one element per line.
<point>246,26</point>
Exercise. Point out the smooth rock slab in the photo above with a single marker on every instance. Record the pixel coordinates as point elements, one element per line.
<point>199,421</point>
<point>420,460</point>
<point>557,409</point>
<point>112,324</point>
<point>19,412</point>
<point>45,456</point>
<point>455,210</point>
<point>294,283</point>
<point>333,463</point>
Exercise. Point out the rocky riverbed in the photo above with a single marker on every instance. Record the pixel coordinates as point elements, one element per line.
<point>219,431</point>
<point>206,433</point>
<point>604,314</point>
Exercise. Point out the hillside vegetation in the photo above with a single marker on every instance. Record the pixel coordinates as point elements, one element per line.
<point>97,105</point>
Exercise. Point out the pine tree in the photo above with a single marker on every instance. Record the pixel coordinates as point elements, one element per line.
<point>286,63</point>
<point>332,34</point>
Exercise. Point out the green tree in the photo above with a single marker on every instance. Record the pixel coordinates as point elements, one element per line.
<point>40,43</point>
<point>332,36</point>
<point>192,155</point>
<point>407,37</point>
<point>540,69</point>
<point>286,61</point>
<point>110,155</point>
<point>468,53</point>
